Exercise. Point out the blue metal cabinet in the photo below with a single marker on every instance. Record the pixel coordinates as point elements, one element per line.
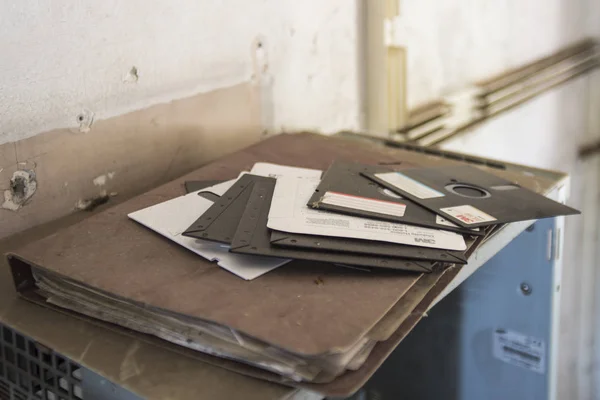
<point>489,339</point>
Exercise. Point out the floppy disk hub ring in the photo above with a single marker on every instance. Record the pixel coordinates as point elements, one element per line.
<point>467,190</point>
<point>388,193</point>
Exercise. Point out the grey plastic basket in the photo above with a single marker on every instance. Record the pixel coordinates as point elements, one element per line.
<point>29,370</point>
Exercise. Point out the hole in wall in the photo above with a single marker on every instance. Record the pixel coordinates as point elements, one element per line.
<point>132,76</point>
<point>22,186</point>
<point>85,119</point>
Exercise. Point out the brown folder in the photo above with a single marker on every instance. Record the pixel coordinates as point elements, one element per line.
<point>312,310</point>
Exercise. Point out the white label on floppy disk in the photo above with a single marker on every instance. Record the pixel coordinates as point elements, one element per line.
<point>409,185</point>
<point>364,204</point>
<point>289,213</point>
<point>468,214</point>
<point>443,221</point>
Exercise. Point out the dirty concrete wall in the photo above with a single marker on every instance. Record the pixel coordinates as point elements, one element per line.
<point>124,155</point>
<point>115,96</point>
<point>98,60</point>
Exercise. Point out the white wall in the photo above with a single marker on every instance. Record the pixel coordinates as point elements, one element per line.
<point>61,58</point>
<point>452,43</point>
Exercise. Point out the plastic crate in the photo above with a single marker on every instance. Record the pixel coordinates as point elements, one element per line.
<point>28,370</point>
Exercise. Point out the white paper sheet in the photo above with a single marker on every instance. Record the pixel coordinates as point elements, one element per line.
<point>220,188</point>
<point>173,217</point>
<point>289,213</point>
<point>276,171</point>
<point>443,221</point>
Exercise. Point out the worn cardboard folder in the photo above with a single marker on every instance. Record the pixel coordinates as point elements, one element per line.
<point>159,322</point>
<point>343,189</point>
<point>310,309</point>
<point>385,335</point>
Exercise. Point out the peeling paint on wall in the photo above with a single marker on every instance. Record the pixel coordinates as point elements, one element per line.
<point>102,179</point>
<point>23,185</point>
<point>132,75</point>
<point>94,202</point>
<point>85,119</point>
<point>67,161</point>
<point>143,65</point>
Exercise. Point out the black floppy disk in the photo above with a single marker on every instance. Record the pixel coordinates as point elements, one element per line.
<point>254,237</point>
<point>220,221</point>
<point>469,196</point>
<point>372,247</point>
<point>344,190</point>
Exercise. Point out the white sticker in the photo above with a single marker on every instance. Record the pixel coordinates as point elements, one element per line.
<point>521,350</point>
<point>364,204</point>
<point>468,214</point>
<point>443,221</point>
<point>409,185</point>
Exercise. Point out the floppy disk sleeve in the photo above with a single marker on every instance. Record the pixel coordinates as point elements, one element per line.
<point>469,196</point>
<point>344,189</point>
